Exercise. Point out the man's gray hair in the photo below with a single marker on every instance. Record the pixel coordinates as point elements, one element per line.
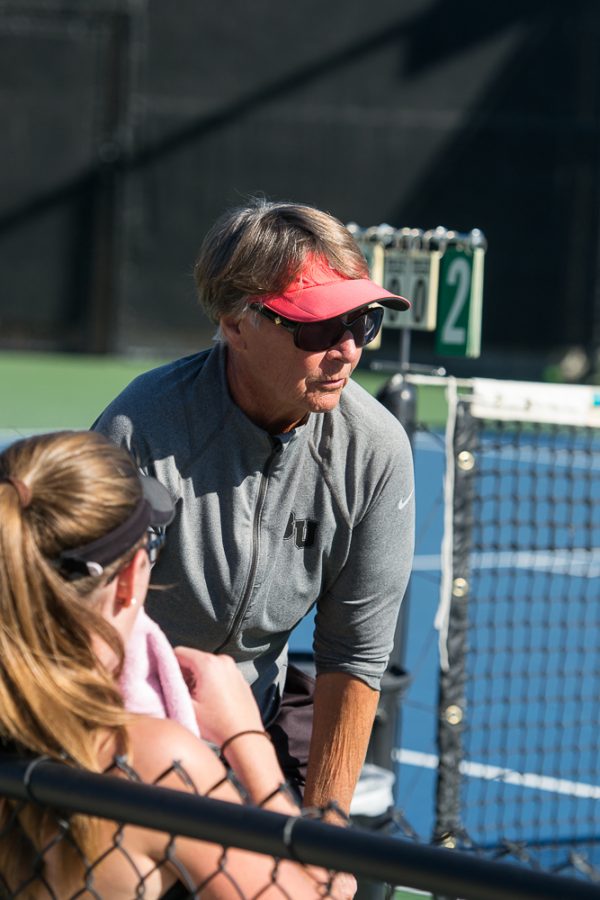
<point>255,250</point>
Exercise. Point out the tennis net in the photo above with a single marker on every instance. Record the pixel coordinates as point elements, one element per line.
<point>519,622</point>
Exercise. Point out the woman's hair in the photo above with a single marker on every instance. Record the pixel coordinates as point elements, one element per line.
<point>57,491</point>
<point>260,248</point>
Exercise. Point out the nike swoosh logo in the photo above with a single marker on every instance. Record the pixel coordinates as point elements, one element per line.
<point>403,503</point>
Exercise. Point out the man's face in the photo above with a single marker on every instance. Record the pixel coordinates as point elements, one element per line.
<point>276,383</point>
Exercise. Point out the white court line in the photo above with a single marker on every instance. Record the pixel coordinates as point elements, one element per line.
<point>585,563</point>
<point>506,776</point>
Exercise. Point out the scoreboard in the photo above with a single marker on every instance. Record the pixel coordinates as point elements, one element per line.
<point>440,272</point>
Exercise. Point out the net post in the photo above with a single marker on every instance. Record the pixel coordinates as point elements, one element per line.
<point>451,696</point>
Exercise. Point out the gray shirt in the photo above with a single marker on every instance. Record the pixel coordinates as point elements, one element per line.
<point>268,526</point>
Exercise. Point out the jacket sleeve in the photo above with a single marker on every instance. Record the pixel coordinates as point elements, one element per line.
<point>356,618</point>
<point>128,429</point>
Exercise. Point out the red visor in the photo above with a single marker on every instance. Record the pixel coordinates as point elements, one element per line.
<point>319,292</point>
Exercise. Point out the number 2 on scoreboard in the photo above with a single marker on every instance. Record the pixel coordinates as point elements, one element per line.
<point>459,274</point>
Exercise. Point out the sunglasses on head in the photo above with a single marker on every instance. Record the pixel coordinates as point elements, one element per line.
<point>363,324</point>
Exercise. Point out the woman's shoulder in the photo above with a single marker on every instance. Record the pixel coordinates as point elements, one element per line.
<point>163,751</point>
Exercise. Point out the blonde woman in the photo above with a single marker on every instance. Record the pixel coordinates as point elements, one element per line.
<point>74,571</point>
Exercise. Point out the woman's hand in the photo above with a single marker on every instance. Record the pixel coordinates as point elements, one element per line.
<point>223,700</point>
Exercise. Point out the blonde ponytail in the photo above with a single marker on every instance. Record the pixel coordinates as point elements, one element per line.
<point>56,698</point>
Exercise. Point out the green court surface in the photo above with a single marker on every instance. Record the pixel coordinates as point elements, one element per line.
<point>42,391</point>
<point>50,391</point>
<point>405,894</point>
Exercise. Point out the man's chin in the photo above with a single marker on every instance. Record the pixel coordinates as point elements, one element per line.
<point>322,402</point>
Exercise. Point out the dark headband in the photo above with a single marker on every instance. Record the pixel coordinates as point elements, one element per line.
<point>155,508</point>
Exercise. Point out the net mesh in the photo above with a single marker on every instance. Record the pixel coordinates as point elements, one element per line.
<point>530,768</point>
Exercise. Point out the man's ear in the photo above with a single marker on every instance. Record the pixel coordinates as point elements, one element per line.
<point>232,332</point>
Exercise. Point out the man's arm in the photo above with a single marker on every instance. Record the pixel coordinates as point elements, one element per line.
<point>344,710</point>
<point>356,619</point>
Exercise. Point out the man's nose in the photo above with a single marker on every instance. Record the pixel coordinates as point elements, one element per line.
<point>345,348</point>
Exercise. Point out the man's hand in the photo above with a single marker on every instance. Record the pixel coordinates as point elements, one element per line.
<point>344,885</point>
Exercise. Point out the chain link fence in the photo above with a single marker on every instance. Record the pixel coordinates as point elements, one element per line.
<point>120,800</point>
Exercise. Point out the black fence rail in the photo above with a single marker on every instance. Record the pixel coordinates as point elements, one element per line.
<point>373,856</point>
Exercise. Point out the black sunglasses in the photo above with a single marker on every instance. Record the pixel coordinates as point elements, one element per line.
<point>363,323</point>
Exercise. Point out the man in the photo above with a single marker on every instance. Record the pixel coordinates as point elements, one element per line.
<point>294,487</point>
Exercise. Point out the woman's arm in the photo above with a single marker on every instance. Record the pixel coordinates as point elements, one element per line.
<point>155,743</point>
<point>228,717</point>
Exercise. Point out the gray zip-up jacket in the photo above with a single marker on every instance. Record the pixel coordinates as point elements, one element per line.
<point>268,526</point>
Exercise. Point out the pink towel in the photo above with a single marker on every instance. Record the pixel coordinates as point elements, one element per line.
<point>151,681</point>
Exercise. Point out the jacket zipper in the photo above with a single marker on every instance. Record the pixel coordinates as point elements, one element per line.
<point>264,481</point>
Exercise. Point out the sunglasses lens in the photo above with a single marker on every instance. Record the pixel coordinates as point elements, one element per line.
<point>156,541</point>
<point>319,336</point>
<point>366,328</point>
